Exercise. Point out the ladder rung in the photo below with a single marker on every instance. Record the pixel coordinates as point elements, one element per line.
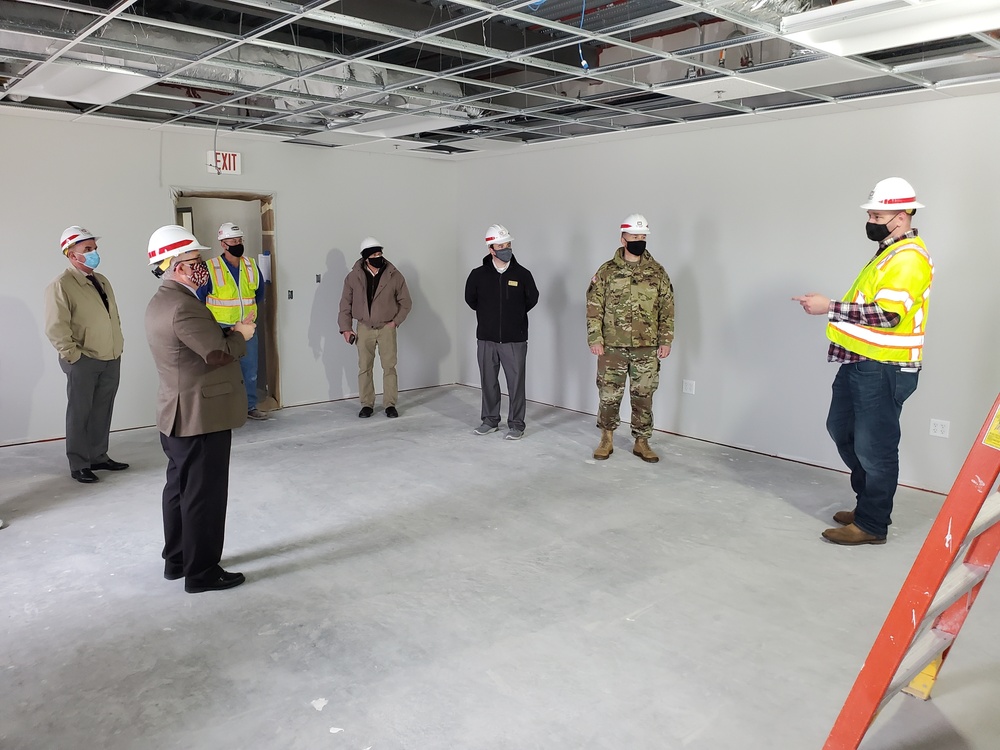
<point>989,514</point>
<point>923,651</point>
<point>960,581</point>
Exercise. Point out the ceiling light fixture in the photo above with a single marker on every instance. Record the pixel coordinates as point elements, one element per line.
<point>863,26</point>
<point>86,84</point>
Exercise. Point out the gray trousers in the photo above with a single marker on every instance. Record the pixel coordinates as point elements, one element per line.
<point>512,358</point>
<point>91,385</point>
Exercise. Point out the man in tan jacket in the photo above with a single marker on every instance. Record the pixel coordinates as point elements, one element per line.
<point>200,400</point>
<point>376,296</point>
<point>81,321</point>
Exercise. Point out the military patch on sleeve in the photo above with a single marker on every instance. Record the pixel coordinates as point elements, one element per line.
<point>594,280</point>
<point>512,283</point>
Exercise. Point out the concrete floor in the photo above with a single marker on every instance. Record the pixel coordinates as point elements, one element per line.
<point>411,585</point>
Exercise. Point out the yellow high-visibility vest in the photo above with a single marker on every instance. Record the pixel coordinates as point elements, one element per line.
<point>898,280</point>
<point>228,302</point>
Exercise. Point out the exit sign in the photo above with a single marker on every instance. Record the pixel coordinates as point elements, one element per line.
<point>225,162</point>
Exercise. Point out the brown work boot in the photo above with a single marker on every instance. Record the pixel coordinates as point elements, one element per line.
<point>643,451</point>
<point>851,535</point>
<point>607,446</point>
<point>844,517</point>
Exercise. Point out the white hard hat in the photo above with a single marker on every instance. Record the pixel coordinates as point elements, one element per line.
<point>368,242</point>
<point>170,241</point>
<point>497,234</point>
<point>72,235</point>
<point>229,231</point>
<point>635,224</point>
<point>892,194</point>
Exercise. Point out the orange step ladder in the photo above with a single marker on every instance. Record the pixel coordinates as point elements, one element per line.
<point>935,598</point>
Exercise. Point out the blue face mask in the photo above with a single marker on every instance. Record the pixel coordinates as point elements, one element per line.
<point>92,259</point>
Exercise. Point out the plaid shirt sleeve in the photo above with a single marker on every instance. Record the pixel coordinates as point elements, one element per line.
<point>865,315</point>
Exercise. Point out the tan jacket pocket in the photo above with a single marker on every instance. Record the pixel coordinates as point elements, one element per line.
<point>216,389</point>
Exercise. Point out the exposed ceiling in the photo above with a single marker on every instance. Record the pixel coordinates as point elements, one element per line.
<point>466,76</point>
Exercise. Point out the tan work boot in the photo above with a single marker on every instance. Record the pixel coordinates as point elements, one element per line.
<point>844,517</point>
<point>851,535</point>
<point>643,451</point>
<point>607,446</point>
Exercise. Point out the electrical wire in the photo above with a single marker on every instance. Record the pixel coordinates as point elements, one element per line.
<point>579,46</point>
<point>535,6</point>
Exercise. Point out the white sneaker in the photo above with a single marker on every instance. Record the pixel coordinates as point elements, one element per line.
<point>485,429</point>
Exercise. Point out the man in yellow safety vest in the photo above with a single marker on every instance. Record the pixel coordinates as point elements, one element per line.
<point>233,294</point>
<point>877,337</point>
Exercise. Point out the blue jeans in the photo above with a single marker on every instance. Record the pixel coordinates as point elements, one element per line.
<point>248,366</point>
<point>868,397</point>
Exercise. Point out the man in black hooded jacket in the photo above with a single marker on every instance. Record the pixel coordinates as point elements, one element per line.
<point>501,291</point>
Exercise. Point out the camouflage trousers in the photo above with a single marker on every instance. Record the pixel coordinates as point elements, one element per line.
<point>642,368</point>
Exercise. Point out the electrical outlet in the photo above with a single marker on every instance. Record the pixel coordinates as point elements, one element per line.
<point>290,294</point>
<point>940,427</point>
<point>688,387</point>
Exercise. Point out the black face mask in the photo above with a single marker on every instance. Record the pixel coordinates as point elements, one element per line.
<point>877,232</point>
<point>636,247</point>
<point>236,250</point>
<point>376,262</point>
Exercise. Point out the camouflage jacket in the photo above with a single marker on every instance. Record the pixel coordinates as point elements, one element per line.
<point>630,304</point>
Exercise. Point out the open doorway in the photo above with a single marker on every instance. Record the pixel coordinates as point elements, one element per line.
<point>203,211</point>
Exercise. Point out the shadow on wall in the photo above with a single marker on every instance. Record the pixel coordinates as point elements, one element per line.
<point>566,314</point>
<point>340,361</point>
<point>423,341</point>
<point>20,373</point>
<point>688,334</point>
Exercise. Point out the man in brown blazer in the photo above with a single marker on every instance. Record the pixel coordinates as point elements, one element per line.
<point>200,400</point>
<point>375,295</point>
<point>82,322</point>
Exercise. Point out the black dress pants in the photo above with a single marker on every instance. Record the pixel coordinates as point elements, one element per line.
<point>194,502</point>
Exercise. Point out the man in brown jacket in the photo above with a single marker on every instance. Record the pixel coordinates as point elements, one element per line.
<point>81,321</point>
<point>375,295</point>
<point>200,400</point>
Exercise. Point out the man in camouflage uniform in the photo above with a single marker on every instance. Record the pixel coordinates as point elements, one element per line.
<point>630,327</point>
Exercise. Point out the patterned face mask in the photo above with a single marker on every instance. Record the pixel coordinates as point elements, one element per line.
<point>199,273</point>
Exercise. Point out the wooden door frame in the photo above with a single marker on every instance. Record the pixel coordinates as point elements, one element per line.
<point>266,202</point>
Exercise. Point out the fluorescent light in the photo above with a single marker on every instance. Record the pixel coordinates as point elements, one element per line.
<point>394,127</point>
<point>861,26</point>
<point>77,83</point>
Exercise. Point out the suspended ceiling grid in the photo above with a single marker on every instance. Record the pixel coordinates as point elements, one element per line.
<point>448,79</point>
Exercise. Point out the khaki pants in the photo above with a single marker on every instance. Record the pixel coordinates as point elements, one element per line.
<point>385,340</point>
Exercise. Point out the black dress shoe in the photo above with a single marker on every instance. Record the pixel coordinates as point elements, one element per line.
<point>390,411</point>
<point>109,465</point>
<point>366,411</point>
<point>84,475</point>
<point>218,582</point>
<point>172,571</point>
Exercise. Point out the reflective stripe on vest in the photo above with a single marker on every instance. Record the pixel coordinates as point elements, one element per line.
<point>228,303</point>
<point>904,342</point>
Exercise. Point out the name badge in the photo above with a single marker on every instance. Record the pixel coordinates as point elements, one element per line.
<point>511,283</point>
